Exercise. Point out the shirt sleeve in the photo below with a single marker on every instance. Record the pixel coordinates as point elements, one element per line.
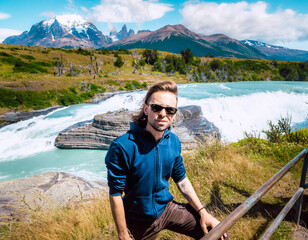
<point>178,171</point>
<point>117,169</point>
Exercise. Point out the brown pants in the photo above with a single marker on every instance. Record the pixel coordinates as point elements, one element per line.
<point>177,217</point>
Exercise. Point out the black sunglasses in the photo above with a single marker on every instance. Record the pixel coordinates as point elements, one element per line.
<point>158,108</point>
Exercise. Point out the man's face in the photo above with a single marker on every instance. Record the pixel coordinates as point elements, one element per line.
<point>160,121</point>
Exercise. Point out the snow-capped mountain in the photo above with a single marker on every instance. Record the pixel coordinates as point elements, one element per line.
<point>64,31</point>
<point>277,52</point>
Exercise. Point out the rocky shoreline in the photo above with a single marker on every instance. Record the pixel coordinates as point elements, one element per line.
<point>189,125</point>
<point>13,117</point>
<point>21,196</point>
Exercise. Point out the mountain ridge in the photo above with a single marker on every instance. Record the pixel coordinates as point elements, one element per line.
<point>175,38</point>
<point>277,52</point>
<point>73,31</point>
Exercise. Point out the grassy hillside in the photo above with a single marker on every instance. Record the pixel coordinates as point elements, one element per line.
<point>39,77</point>
<point>223,175</point>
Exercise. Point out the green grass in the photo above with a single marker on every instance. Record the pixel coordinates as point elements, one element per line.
<point>38,100</point>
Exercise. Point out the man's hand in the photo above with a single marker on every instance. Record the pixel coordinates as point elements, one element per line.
<point>124,236</point>
<point>117,208</point>
<point>207,220</point>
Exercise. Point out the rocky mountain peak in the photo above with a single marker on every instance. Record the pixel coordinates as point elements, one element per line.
<point>71,20</point>
<point>69,30</point>
<point>123,33</point>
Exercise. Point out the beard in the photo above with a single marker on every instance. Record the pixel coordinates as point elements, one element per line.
<point>158,127</point>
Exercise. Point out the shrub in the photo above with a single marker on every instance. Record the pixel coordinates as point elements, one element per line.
<point>73,90</point>
<point>142,62</point>
<point>28,99</point>
<point>187,55</point>
<point>43,64</point>
<point>157,66</point>
<point>46,51</point>
<point>11,60</point>
<point>95,88</point>
<point>33,67</point>
<point>86,95</point>
<point>104,51</point>
<point>119,62</point>
<point>67,98</point>
<point>112,82</point>
<point>82,51</point>
<point>285,70</point>
<point>276,131</point>
<point>128,86</point>
<point>170,68</point>
<point>150,56</point>
<point>136,84</point>
<point>122,51</point>
<point>4,54</point>
<point>215,64</point>
<point>29,57</point>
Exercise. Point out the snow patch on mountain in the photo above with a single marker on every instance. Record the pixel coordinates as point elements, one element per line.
<point>254,43</point>
<point>49,22</point>
<point>71,20</point>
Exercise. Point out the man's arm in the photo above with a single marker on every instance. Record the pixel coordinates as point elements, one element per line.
<point>118,213</point>
<point>189,193</point>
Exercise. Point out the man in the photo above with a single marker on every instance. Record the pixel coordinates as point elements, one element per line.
<point>140,164</point>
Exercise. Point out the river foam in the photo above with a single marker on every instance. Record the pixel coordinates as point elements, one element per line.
<point>250,113</point>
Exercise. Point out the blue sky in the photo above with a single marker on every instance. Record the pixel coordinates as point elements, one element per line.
<point>280,22</point>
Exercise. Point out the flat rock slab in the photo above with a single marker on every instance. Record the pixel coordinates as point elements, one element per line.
<point>44,191</point>
<point>189,125</point>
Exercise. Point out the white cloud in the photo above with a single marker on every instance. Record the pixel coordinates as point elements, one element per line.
<point>4,15</point>
<point>111,27</point>
<point>48,14</point>
<point>244,20</point>
<point>84,9</point>
<point>137,11</point>
<point>4,33</point>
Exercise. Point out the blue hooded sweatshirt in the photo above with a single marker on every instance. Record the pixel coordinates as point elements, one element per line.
<point>141,167</point>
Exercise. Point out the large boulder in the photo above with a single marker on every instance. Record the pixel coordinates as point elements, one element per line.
<point>189,125</point>
<point>44,191</point>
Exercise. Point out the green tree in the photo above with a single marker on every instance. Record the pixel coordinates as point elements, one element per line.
<point>187,55</point>
<point>157,66</point>
<point>119,62</point>
<point>150,56</point>
<point>215,64</point>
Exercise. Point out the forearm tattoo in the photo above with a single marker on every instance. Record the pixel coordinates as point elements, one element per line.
<point>186,191</point>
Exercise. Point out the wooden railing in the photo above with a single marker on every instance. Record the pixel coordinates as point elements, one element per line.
<point>234,216</point>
